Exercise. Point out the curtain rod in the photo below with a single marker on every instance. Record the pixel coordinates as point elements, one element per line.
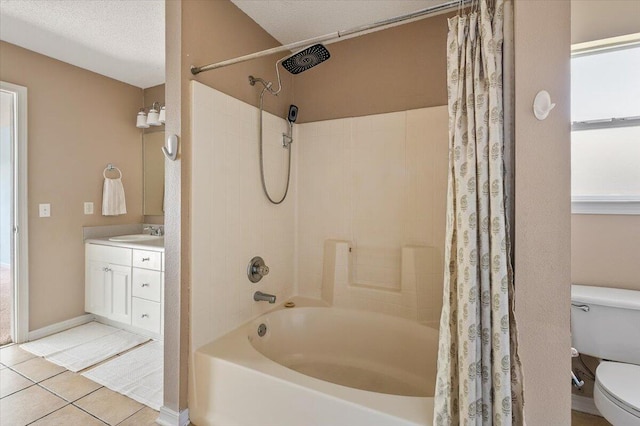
<point>336,36</point>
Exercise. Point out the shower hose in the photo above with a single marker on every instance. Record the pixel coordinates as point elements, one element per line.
<point>288,147</point>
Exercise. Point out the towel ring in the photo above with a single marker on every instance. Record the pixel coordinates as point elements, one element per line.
<point>111,168</point>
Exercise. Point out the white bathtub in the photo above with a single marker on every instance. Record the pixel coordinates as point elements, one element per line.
<point>368,369</point>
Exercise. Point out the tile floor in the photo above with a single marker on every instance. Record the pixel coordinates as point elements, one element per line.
<point>584,419</point>
<point>34,391</point>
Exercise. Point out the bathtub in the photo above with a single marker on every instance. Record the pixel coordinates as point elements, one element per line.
<point>317,366</point>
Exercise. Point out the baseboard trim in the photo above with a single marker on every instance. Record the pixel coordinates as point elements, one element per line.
<point>584,404</point>
<point>60,326</point>
<point>168,417</point>
<point>130,328</point>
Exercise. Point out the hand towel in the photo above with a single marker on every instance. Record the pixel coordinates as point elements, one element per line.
<point>113,202</point>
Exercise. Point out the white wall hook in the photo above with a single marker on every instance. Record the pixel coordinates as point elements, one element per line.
<point>542,105</point>
<point>171,150</point>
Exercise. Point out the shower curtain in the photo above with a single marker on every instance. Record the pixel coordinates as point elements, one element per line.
<point>479,378</point>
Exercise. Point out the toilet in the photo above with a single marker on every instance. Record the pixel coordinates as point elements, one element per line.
<point>605,323</point>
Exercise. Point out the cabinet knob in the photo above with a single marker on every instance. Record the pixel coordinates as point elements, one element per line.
<point>106,269</point>
<point>146,259</point>
<point>144,316</point>
<point>144,285</point>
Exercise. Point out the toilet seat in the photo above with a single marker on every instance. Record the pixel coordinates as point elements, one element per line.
<point>617,393</point>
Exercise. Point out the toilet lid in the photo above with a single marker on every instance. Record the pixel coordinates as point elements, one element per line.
<point>621,381</point>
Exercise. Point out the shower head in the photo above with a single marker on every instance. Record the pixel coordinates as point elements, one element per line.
<point>306,58</point>
<point>298,62</point>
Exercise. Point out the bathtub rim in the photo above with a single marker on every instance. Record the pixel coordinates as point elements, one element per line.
<point>236,349</point>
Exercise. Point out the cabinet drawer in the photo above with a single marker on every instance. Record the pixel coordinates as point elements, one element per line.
<point>146,314</point>
<point>147,259</point>
<point>147,284</point>
<point>109,254</point>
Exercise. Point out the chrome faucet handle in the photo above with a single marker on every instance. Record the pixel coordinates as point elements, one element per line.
<point>154,230</point>
<point>257,269</point>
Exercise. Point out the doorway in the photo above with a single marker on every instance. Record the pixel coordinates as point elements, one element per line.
<point>13,214</point>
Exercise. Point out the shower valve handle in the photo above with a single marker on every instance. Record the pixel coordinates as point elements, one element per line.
<point>257,269</point>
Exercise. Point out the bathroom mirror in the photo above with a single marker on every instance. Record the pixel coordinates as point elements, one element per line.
<point>153,169</point>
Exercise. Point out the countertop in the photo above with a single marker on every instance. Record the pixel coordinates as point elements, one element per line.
<point>157,244</point>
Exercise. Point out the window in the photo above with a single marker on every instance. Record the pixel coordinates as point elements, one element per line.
<point>605,136</point>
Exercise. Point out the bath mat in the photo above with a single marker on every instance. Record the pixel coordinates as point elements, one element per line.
<point>68,339</point>
<point>95,351</point>
<point>136,374</point>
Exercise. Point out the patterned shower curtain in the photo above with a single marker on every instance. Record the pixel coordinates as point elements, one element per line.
<point>479,378</point>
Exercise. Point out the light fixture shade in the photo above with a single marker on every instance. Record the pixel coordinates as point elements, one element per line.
<point>153,119</point>
<point>141,122</point>
<point>163,115</point>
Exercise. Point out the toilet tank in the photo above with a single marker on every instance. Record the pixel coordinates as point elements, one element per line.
<point>605,323</point>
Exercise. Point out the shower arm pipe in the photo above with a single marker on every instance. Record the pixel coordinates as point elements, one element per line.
<point>339,35</point>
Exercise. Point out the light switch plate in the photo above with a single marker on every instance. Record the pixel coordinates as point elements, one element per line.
<point>45,210</point>
<point>88,207</point>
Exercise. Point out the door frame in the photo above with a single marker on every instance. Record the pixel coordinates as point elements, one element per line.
<point>20,255</point>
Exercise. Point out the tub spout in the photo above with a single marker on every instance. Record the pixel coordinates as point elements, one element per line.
<point>259,296</point>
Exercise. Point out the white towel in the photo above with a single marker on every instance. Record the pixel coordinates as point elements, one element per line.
<point>113,202</point>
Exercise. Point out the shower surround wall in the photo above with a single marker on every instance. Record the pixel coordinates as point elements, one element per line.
<point>378,182</point>
<point>232,221</point>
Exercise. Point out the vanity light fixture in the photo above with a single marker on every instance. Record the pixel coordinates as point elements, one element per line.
<point>155,117</point>
<point>141,122</point>
<point>163,114</point>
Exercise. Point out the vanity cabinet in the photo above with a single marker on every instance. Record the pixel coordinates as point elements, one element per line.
<point>147,290</point>
<point>125,285</point>
<point>108,282</point>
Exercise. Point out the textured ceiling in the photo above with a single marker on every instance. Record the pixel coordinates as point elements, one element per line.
<point>122,39</point>
<point>295,20</point>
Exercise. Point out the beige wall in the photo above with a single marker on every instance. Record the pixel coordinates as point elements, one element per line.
<point>605,248</point>
<point>396,69</point>
<point>217,30</point>
<point>78,121</point>
<point>598,19</point>
<point>542,206</point>
<point>154,94</point>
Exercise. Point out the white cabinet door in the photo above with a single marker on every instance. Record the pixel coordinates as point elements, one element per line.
<point>96,296</point>
<point>119,278</point>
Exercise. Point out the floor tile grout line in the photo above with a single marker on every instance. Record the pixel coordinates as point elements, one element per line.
<point>83,396</point>
<point>66,405</point>
<point>77,399</point>
<point>19,390</point>
<point>39,418</point>
<point>22,375</point>
<point>104,387</point>
<point>46,390</point>
<point>141,408</point>
<point>91,414</point>
<point>35,382</point>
